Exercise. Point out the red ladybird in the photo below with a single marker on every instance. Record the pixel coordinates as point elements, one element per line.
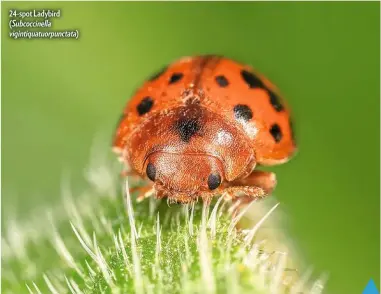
<point>199,127</point>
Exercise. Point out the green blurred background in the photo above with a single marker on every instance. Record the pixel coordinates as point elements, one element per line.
<point>58,94</point>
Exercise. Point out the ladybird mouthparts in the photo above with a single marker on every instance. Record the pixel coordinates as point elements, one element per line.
<point>184,172</point>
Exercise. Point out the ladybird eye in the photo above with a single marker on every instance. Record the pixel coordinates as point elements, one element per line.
<point>214,180</point>
<point>151,172</point>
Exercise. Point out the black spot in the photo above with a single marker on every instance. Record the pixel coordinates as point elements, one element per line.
<point>189,122</point>
<point>276,132</point>
<point>145,105</point>
<point>187,128</point>
<point>243,112</point>
<point>158,74</point>
<point>222,81</point>
<point>175,77</point>
<point>275,101</point>
<point>292,130</point>
<point>151,172</point>
<point>251,80</point>
<point>214,180</point>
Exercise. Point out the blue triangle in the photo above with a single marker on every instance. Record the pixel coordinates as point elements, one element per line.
<point>370,288</point>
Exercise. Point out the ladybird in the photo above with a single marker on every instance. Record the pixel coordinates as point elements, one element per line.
<point>200,127</point>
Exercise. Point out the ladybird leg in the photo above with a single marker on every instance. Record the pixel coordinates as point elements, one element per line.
<point>144,192</point>
<point>147,193</point>
<point>243,195</point>
<point>130,173</point>
<point>126,173</point>
<point>228,196</point>
<point>246,193</point>
<point>265,180</point>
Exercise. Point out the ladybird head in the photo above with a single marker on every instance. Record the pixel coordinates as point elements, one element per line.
<point>189,149</point>
<point>185,173</point>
